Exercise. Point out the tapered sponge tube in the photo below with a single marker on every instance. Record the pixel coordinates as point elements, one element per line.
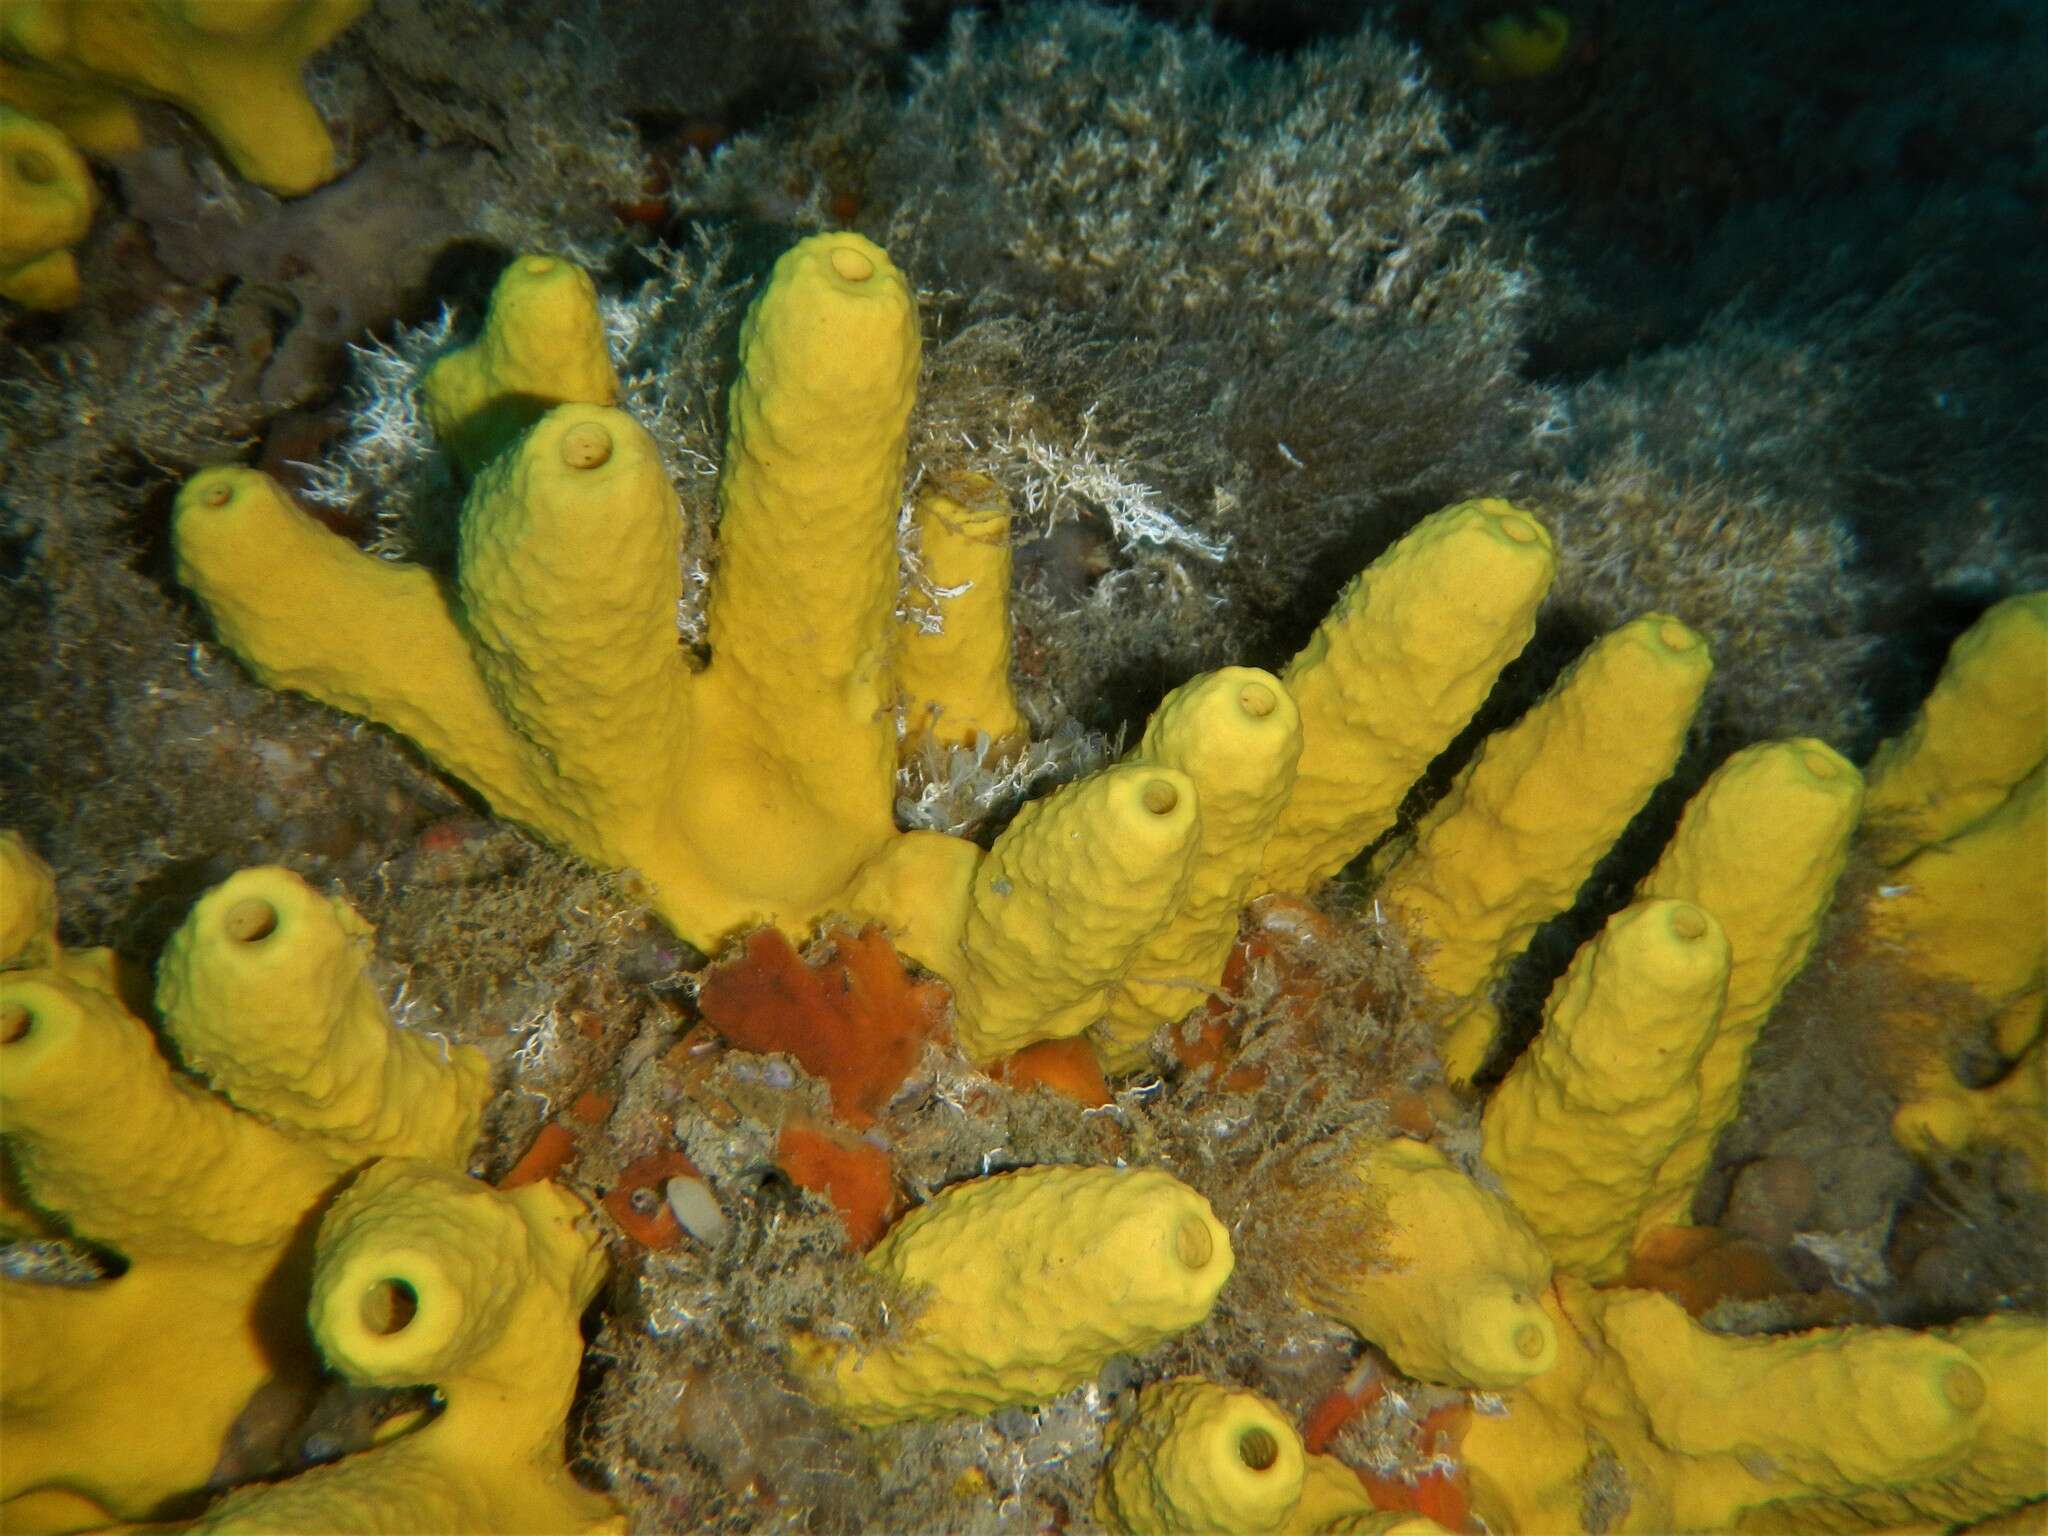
<point>306,610</point>
<point>47,193</point>
<point>569,585</point>
<point>1064,899</point>
<point>1982,730</point>
<point>1453,1294</point>
<point>1798,798</point>
<point>1518,832</point>
<point>1610,1085</point>
<point>1843,1409</point>
<point>1198,1459</point>
<point>1030,1281</point>
<point>1402,662</point>
<point>1237,735</point>
<point>953,646</point>
<point>263,990</point>
<point>542,345</point>
<point>169,1174</point>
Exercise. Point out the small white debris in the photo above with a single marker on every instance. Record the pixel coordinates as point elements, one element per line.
<point>696,1210</point>
<point>1855,1257</point>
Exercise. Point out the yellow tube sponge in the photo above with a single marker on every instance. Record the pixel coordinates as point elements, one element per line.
<point>1940,1114</point>
<point>1510,843</point>
<point>1198,1459</point>
<point>1030,1281</point>
<point>542,345</point>
<point>1452,1294</point>
<point>28,906</point>
<point>264,991</point>
<point>1402,662</point>
<point>307,610</point>
<point>1958,808</point>
<point>1982,730</point>
<point>1070,891</point>
<point>1237,736</point>
<point>1582,1121</point>
<point>108,1410</point>
<point>234,65</point>
<point>2004,1469</point>
<point>1761,847</point>
<point>800,619</point>
<point>1836,1410</point>
<point>47,194</point>
<point>1651,1423</point>
<point>422,1276</point>
<point>1972,911</point>
<point>1973,908</point>
<point>757,789</point>
<point>953,645</point>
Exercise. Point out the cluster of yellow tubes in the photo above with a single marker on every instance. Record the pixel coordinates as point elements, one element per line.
<point>72,73</point>
<point>116,1398</point>
<point>757,788</point>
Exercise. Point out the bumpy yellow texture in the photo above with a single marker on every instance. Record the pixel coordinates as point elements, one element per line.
<point>1030,1282</point>
<point>1837,1429</point>
<point>1198,1459</point>
<point>265,992</point>
<point>1761,847</point>
<point>1982,730</point>
<point>1579,1127</point>
<point>953,646</point>
<point>1603,1130</point>
<point>1510,843</point>
<point>118,1396</point>
<point>496,1284</point>
<point>1402,662</point>
<point>759,788</point>
<point>1076,884</point>
<point>1958,809</point>
<point>1452,1295</point>
<point>46,203</point>
<point>1236,734</point>
<point>234,65</point>
<point>542,345</point>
